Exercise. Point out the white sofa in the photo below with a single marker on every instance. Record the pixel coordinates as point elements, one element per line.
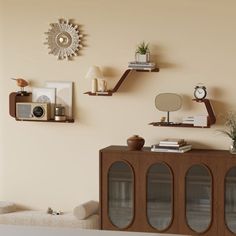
<point>41,218</point>
<point>84,217</point>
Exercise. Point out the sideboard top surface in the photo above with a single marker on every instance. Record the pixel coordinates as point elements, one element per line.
<point>193,152</point>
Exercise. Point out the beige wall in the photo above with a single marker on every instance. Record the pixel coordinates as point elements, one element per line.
<point>48,164</point>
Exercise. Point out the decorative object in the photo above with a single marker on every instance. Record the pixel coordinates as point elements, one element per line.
<point>168,102</point>
<point>118,84</point>
<point>102,85</point>
<point>33,111</point>
<point>22,84</point>
<point>94,86</point>
<point>64,94</point>
<point>230,130</point>
<point>60,113</point>
<point>63,39</point>
<point>45,95</point>
<point>135,143</point>
<point>200,92</point>
<point>94,73</point>
<point>142,53</point>
<point>188,122</point>
<point>49,210</point>
<point>200,120</point>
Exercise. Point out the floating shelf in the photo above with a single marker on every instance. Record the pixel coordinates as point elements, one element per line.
<point>211,118</point>
<point>117,86</point>
<point>26,97</point>
<point>54,121</point>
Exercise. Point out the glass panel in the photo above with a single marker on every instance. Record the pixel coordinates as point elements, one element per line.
<point>120,198</point>
<point>159,196</point>
<point>230,199</point>
<point>198,198</point>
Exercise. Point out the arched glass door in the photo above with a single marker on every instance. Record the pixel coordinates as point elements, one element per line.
<point>159,196</point>
<point>198,184</point>
<point>230,199</point>
<point>121,194</point>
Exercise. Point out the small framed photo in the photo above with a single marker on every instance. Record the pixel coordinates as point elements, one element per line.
<point>45,95</point>
<point>64,95</point>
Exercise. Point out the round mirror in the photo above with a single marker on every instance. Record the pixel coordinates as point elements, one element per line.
<point>168,102</point>
<point>63,40</point>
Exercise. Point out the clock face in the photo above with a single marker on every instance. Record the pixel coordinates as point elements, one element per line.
<point>200,92</point>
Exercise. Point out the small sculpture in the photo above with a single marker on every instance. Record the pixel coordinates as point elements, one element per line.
<point>49,210</point>
<point>52,212</point>
<point>22,84</point>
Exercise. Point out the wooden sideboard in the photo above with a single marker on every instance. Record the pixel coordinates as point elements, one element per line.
<point>192,193</point>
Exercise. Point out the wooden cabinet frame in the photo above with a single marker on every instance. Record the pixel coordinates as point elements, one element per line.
<point>218,163</point>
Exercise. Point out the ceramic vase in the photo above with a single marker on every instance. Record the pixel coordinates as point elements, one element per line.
<point>135,143</point>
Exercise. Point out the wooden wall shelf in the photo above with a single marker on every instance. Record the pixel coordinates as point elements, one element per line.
<point>117,86</point>
<point>54,121</point>
<point>211,118</point>
<point>15,97</point>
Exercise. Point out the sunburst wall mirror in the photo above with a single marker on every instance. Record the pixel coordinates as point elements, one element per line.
<point>64,39</point>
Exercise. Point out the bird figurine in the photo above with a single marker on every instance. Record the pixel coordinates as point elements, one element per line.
<point>22,84</point>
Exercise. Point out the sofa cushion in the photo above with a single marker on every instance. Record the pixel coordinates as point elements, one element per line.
<point>7,207</point>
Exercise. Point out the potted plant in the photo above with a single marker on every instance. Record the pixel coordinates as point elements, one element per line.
<point>230,130</point>
<point>142,53</point>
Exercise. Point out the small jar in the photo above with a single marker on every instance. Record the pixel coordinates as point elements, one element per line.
<point>135,143</point>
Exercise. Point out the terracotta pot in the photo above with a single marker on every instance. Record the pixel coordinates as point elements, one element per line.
<point>135,143</point>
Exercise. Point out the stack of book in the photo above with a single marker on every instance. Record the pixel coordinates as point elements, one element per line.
<point>142,65</point>
<point>171,145</point>
<point>188,120</point>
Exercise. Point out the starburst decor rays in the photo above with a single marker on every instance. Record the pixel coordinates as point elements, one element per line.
<point>64,39</point>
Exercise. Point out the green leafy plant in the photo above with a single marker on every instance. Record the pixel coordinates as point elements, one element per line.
<point>230,126</point>
<point>142,48</point>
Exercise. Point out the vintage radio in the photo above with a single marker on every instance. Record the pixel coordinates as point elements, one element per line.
<point>32,111</point>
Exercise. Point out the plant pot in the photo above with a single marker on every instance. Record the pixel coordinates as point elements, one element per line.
<point>135,143</point>
<point>142,58</point>
<point>232,147</point>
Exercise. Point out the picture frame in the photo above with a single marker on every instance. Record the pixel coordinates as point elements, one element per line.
<point>45,95</point>
<point>64,95</point>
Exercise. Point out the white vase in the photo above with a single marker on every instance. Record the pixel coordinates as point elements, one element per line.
<point>143,58</point>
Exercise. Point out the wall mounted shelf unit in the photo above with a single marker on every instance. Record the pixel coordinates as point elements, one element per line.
<point>211,118</point>
<point>15,97</point>
<point>117,86</point>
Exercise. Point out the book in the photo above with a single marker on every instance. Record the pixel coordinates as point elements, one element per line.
<point>157,146</point>
<point>172,141</point>
<point>102,92</point>
<point>170,150</point>
<point>142,63</point>
<point>172,145</point>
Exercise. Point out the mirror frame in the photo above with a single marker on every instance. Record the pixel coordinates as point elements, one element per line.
<point>64,29</point>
